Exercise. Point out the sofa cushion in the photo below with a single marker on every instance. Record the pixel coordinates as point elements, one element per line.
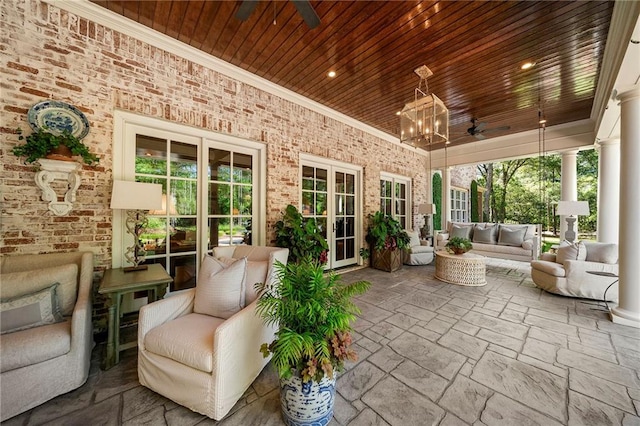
<point>35,345</point>
<point>602,252</point>
<point>194,348</point>
<point>496,249</point>
<point>527,244</point>
<point>462,231</point>
<point>551,268</point>
<point>220,290</point>
<point>30,310</point>
<point>568,251</point>
<point>484,234</point>
<point>421,249</point>
<point>17,284</point>
<point>511,236</point>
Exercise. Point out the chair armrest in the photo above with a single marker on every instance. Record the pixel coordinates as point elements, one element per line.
<point>549,257</point>
<point>237,359</point>
<point>162,311</point>
<point>81,322</point>
<point>442,236</point>
<point>580,267</point>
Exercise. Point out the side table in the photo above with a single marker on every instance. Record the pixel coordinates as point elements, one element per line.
<point>114,285</point>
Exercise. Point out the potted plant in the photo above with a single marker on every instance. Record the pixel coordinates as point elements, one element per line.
<point>302,236</point>
<point>387,241</point>
<point>313,312</point>
<point>458,245</point>
<point>45,144</point>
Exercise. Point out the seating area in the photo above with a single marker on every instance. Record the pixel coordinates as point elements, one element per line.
<point>584,269</point>
<point>47,333</point>
<point>449,355</point>
<point>503,241</point>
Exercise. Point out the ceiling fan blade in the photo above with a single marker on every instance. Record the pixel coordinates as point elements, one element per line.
<point>479,136</point>
<point>497,129</point>
<point>480,126</point>
<point>245,9</point>
<point>306,11</point>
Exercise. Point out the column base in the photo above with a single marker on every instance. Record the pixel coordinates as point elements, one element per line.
<point>625,317</point>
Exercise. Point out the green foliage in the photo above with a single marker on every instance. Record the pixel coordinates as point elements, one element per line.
<point>473,193</point>
<point>302,236</point>
<point>458,244</point>
<point>437,200</point>
<point>313,312</point>
<point>39,144</point>
<point>385,232</point>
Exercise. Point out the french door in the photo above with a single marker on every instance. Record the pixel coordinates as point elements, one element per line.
<point>331,194</point>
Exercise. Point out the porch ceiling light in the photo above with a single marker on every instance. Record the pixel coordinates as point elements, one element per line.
<point>425,120</point>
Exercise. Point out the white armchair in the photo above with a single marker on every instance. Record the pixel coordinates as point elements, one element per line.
<point>417,254</point>
<point>568,272</point>
<point>199,361</point>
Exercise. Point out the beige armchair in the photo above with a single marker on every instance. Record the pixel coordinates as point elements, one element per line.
<point>568,272</point>
<point>199,361</point>
<point>42,362</point>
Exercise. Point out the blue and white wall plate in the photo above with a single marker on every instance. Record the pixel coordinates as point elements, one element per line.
<point>57,117</point>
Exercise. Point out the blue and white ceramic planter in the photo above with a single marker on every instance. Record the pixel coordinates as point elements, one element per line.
<point>307,404</point>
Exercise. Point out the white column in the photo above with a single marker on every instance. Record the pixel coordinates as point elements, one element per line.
<point>569,186</point>
<point>628,310</point>
<point>446,197</point>
<point>608,190</point>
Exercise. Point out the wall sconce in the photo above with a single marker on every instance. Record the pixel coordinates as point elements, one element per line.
<point>51,170</point>
<point>136,198</point>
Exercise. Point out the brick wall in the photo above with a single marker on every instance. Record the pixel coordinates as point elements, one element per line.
<point>49,53</point>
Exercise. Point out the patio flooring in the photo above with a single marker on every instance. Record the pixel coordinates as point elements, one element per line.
<point>430,354</point>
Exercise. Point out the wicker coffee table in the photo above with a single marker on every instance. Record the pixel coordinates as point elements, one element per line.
<point>463,269</point>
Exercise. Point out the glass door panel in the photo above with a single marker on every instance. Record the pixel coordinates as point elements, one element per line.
<point>343,250</point>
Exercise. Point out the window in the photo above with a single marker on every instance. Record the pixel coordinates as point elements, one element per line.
<point>213,192</point>
<point>459,205</point>
<point>395,198</point>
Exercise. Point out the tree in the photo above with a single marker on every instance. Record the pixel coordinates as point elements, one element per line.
<point>436,182</point>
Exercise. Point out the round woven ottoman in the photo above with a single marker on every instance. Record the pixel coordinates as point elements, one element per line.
<point>463,269</point>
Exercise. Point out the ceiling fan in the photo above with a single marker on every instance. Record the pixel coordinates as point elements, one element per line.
<point>477,130</point>
<point>303,6</point>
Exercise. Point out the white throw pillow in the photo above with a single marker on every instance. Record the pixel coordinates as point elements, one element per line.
<point>602,252</point>
<point>414,238</point>
<point>256,273</point>
<point>220,291</point>
<point>568,251</point>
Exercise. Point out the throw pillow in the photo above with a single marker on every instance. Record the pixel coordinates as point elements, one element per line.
<point>568,251</point>
<point>30,310</point>
<point>16,284</point>
<point>511,237</point>
<point>460,231</point>
<point>484,235</point>
<point>414,238</point>
<point>220,290</point>
<point>602,252</point>
<point>256,273</point>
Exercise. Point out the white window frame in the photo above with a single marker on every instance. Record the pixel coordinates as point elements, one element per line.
<point>393,178</point>
<point>459,213</point>
<point>127,125</point>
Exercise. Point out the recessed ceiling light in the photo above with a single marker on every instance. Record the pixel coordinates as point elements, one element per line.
<point>398,112</point>
<point>331,74</point>
<point>527,65</point>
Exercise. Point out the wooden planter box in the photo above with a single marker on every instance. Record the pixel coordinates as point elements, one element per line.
<point>387,260</point>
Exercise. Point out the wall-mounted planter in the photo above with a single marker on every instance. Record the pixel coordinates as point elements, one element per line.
<point>51,170</point>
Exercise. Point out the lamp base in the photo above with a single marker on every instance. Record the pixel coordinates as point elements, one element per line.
<point>135,268</point>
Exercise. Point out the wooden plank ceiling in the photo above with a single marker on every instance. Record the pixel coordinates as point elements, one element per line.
<point>475,50</point>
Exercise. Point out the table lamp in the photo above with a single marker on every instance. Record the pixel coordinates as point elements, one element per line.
<point>571,209</point>
<point>427,210</point>
<point>136,198</point>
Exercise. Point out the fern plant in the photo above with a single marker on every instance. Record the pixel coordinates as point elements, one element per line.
<point>313,312</point>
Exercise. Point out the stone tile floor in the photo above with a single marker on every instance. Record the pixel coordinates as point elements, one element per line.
<point>430,354</point>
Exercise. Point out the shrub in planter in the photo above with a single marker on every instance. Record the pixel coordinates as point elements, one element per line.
<point>387,241</point>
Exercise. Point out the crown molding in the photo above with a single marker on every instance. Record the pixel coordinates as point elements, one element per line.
<point>109,19</point>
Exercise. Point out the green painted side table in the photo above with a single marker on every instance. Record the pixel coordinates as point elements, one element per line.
<point>114,285</point>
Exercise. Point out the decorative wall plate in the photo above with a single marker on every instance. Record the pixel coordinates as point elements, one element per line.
<point>57,117</point>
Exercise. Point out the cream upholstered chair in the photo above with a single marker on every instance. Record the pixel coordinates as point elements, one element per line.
<point>45,361</point>
<point>200,361</point>
<point>417,254</point>
<point>570,271</point>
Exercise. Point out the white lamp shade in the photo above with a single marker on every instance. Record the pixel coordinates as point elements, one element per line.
<point>573,208</point>
<point>427,208</point>
<point>128,195</point>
